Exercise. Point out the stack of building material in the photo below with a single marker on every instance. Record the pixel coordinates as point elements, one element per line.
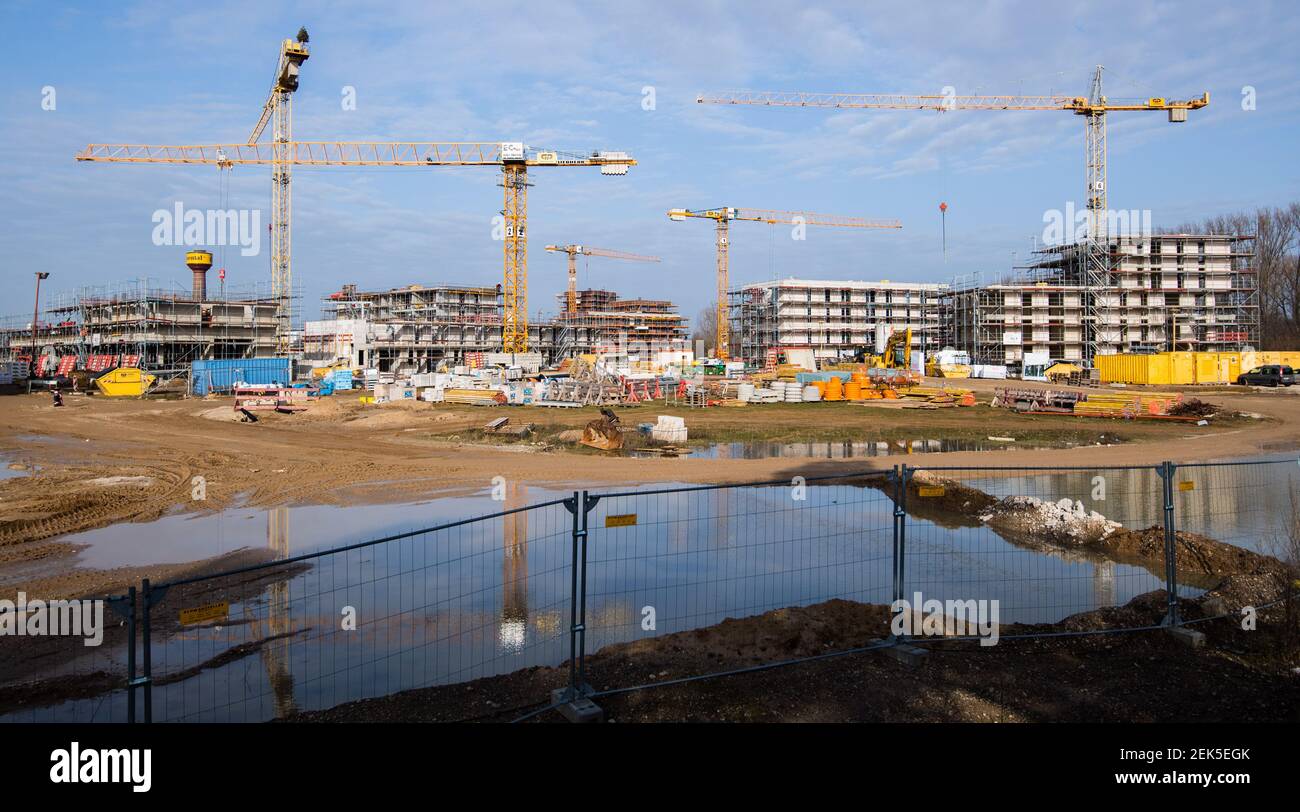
<point>669,429</point>
<point>1127,404</point>
<point>474,397</point>
<point>1037,400</point>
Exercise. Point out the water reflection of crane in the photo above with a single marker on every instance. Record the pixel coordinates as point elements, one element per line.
<point>513,631</point>
<point>275,653</point>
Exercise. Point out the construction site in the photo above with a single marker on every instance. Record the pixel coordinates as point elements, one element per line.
<point>504,489</point>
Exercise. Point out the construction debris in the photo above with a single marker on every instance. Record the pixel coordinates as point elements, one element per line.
<point>604,434</point>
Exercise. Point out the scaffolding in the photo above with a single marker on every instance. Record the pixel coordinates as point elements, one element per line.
<point>163,327</point>
<point>834,318</point>
<point>1159,292</point>
<point>418,328</point>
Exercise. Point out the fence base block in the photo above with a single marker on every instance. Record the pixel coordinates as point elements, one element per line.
<point>907,654</point>
<point>1188,637</point>
<point>577,709</point>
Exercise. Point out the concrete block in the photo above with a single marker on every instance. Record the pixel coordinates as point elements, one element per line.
<point>579,709</point>
<point>1188,637</point>
<point>907,654</point>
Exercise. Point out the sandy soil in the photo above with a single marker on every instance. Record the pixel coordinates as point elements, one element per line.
<point>98,461</point>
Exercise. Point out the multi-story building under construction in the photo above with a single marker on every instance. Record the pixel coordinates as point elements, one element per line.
<point>160,328</point>
<point>833,318</point>
<point>1158,292</point>
<point>417,328</point>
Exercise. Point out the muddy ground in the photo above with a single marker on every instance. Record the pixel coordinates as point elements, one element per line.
<point>1125,677</point>
<point>98,461</point>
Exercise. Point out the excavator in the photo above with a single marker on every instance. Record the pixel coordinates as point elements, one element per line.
<point>897,347</point>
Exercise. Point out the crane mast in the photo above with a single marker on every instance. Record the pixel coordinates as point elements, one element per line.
<point>283,153</point>
<point>1095,272</point>
<point>722,218</point>
<point>571,299</point>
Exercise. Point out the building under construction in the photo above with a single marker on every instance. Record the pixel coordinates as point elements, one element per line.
<point>144,323</point>
<point>833,318</point>
<point>1155,293</point>
<point>417,328</point>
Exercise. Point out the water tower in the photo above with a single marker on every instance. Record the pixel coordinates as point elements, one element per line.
<point>199,261</point>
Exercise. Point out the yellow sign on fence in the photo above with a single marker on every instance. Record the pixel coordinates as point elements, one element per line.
<point>930,490</point>
<point>622,520</point>
<point>202,614</point>
<point>1187,486</point>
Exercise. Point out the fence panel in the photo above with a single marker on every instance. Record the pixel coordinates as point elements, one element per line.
<point>1249,504</point>
<point>65,677</point>
<point>471,599</point>
<point>696,556</point>
<point>1019,536</point>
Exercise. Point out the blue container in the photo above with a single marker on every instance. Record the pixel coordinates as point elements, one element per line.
<point>342,379</point>
<point>222,375</point>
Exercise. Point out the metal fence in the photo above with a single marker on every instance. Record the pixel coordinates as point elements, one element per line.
<point>550,584</point>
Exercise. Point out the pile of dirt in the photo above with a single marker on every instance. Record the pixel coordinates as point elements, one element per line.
<point>1140,676</point>
<point>1065,523</point>
<point>1238,576</point>
<point>1193,407</point>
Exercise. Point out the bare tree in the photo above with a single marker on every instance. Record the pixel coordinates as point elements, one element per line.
<point>706,326</point>
<point>1276,263</point>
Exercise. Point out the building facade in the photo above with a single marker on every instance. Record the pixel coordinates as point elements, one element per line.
<point>1158,292</point>
<point>833,318</point>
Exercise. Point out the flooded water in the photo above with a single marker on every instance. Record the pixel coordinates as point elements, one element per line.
<point>493,596</point>
<point>838,449</point>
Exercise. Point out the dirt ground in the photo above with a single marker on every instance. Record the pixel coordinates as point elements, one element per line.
<point>98,461</point>
<point>1129,677</point>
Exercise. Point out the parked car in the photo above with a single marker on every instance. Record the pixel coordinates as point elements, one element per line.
<point>1268,375</point>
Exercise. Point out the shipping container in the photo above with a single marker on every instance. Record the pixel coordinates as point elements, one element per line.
<point>1178,368</point>
<point>222,375</point>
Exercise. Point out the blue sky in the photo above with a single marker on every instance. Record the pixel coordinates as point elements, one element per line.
<point>570,76</point>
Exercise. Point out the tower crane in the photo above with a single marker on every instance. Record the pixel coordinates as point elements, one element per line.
<point>722,218</point>
<point>571,303</point>
<point>279,107</point>
<point>283,153</point>
<point>1093,108</point>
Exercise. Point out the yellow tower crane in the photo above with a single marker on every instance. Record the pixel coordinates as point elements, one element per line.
<point>571,301</point>
<point>279,108</point>
<point>723,216</point>
<point>1094,107</point>
<point>283,153</point>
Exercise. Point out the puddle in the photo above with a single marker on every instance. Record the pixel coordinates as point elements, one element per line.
<point>840,449</point>
<point>492,597</point>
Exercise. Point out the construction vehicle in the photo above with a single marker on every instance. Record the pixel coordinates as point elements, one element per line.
<point>1093,108</point>
<point>571,300</point>
<point>948,363</point>
<point>283,153</point>
<point>723,216</point>
<point>895,355</point>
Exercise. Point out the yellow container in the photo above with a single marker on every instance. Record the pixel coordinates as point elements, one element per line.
<point>1182,369</point>
<point>124,382</point>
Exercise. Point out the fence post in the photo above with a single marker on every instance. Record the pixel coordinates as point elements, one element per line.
<point>572,701</point>
<point>130,656</point>
<point>146,677</point>
<point>900,476</point>
<point>574,505</point>
<point>588,502</point>
<point>1171,546</point>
